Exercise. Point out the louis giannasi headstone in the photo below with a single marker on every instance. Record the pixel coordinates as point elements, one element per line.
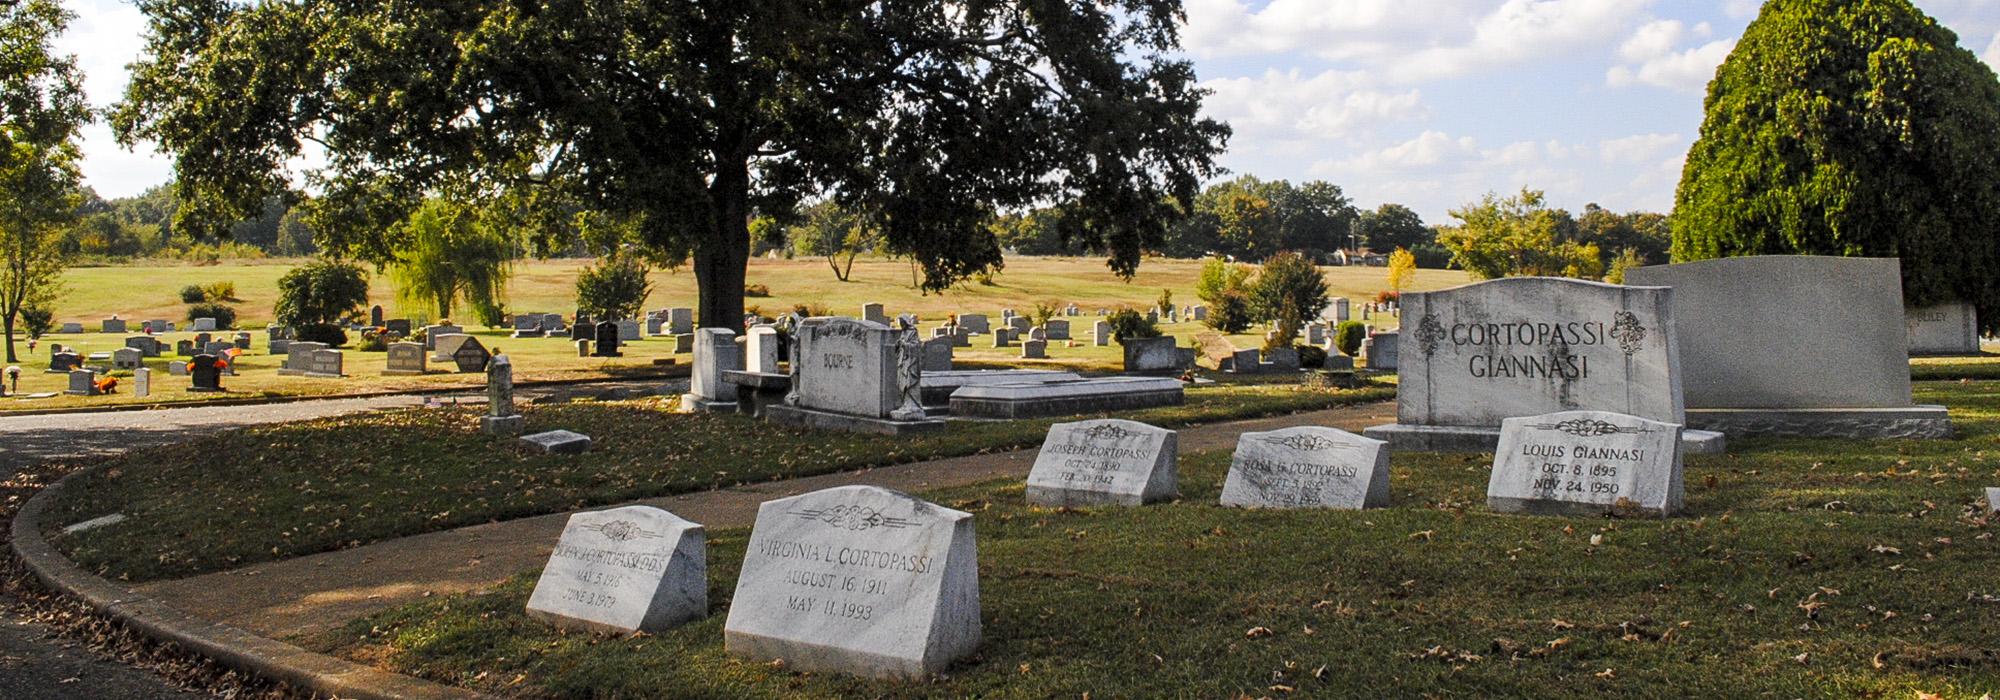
<point>1798,345</point>
<point>1475,355</point>
<point>1586,463</point>
<point>860,580</point>
<point>1308,467</point>
<point>1105,461</point>
<point>624,570</point>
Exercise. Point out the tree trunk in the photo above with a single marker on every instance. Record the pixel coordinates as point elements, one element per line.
<point>719,266</point>
<point>11,357</point>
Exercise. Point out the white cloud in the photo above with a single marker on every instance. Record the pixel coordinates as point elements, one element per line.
<point>1637,148</point>
<point>1290,106</point>
<point>1992,55</point>
<point>1427,149</point>
<point>1404,40</point>
<point>105,36</point>
<point>1652,57</point>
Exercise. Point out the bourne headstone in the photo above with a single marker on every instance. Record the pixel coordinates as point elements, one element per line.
<point>1586,463</point>
<point>1525,346</point>
<point>624,570</point>
<point>1308,467</point>
<point>851,374</point>
<point>1104,461</point>
<point>1795,345</point>
<point>859,580</point>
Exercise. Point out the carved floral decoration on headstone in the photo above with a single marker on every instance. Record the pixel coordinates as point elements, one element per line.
<point>1429,333</point>
<point>1626,329</point>
<point>853,518</point>
<point>1590,427</point>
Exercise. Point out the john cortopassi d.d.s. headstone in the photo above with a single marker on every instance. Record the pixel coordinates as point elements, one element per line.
<point>624,570</point>
<point>1112,461</point>
<point>1586,463</point>
<point>860,580</point>
<point>1308,467</point>
<point>1475,355</point>
<point>1796,345</point>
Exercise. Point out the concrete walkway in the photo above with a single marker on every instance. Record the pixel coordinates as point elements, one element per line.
<point>314,593</point>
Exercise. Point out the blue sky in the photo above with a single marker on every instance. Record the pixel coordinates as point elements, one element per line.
<point>1429,103</point>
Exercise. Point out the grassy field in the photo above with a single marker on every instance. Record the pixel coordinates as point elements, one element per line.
<point>138,293</point>
<point>255,495</point>
<point>1837,568</point>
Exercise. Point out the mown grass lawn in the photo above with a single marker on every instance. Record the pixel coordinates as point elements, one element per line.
<point>1804,569</point>
<point>261,494</point>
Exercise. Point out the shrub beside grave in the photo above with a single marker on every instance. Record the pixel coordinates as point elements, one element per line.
<point>225,316</point>
<point>1127,324</point>
<point>193,294</point>
<point>326,333</point>
<point>1347,337</point>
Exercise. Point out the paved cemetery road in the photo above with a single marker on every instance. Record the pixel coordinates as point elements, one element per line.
<point>37,665</point>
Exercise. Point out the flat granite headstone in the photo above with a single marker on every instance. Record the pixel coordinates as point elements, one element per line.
<point>860,580</point>
<point>1110,461</point>
<point>624,570</point>
<point>1586,463</point>
<point>559,442</point>
<point>1795,345</point>
<point>1944,329</point>
<point>1308,467</point>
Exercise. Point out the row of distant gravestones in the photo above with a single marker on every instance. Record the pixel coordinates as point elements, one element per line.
<point>868,581</point>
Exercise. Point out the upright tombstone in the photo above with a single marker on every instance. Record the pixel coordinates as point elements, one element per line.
<point>1159,355</point>
<point>64,362</point>
<point>624,570</point>
<point>147,345</point>
<point>1308,467</point>
<point>242,340</point>
<point>117,325</point>
<point>872,311</point>
<point>974,323</point>
<point>760,349</point>
<point>628,331</point>
<point>937,354</point>
<point>471,356</point>
<point>1993,500</point>
<point>72,328</point>
<point>1794,345</point>
<point>185,348</point>
<point>607,340</point>
<point>1587,463</point>
<point>205,373</point>
<point>298,360</point>
<point>397,326</point>
<point>200,324</point>
<point>1034,350</point>
<point>432,332</point>
<point>1057,329</point>
<point>501,418</point>
<point>446,344</point>
<point>715,352</point>
<point>127,358</point>
<point>1379,351</point>
<point>526,326</point>
<point>850,374</point>
<point>1108,461</point>
<point>327,363</point>
<point>1100,334</point>
<point>859,580</point>
<point>375,316</point>
<point>142,382</point>
<point>406,359</point>
<point>584,329</point>
<point>1524,346</point>
<point>1945,329</point>
<point>82,382</point>
<point>680,321</point>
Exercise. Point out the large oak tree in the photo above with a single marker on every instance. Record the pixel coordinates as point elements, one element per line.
<point>682,118</point>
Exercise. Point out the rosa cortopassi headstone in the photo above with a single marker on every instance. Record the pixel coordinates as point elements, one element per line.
<point>1587,463</point>
<point>860,580</point>
<point>1308,467</point>
<point>1475,355</point>
<point>624,570</point>
<point>1105,461</point>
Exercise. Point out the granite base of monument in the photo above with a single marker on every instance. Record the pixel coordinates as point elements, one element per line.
<point>693,403</point>
<point>828,420</point>
<point>559,442</point>
<point>1447,438</point>
<point>1920,422</point>
<point>1066,397</point>
<point>503,425</point>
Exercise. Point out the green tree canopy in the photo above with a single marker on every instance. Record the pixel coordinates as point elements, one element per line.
<point>1252,219</point>
<point>686,116</point>
<point>1392,226</point>
<point>446,254</point>
<point>320,293</point>
<point>42,108</point>
<point>1851,127</point>
<point>1519,236</point>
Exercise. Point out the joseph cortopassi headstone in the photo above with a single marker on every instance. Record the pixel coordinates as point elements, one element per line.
<point>1525,346</point>
<point>859,580</point>
<point>1308,467</point>
<point>850,374</point>
<point>1110,461</point>
<point>501,418</point>
<point>1586,463</point>
<point>1795,345</point>
<point>624,570</point>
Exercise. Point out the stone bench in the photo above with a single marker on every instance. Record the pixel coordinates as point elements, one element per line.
<point>755,390</point>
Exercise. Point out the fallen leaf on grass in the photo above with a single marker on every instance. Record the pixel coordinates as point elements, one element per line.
<point>1885,549</point>
<point>1258,633</point>
<point>1423,535</point>
<point>1608,674</point>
